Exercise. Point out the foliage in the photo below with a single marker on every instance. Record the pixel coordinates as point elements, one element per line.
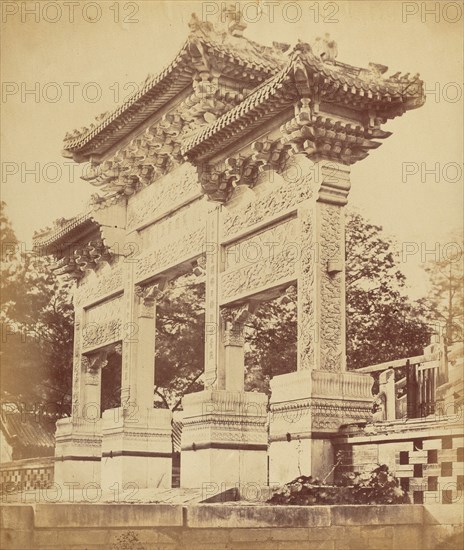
<point>37,328</point>
<point>180,350</point>
<point>378,487</point>
<point>446,299</point>
<point>382,322</point>
<point>129,540</point>
<point>272,344</point>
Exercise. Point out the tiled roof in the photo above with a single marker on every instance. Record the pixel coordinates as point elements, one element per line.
<point>254,59</point>
<point>133,110</point>
<point>259,96</point>
<point>54,236</point>
<point>362,85</point>
<point>25,431</point>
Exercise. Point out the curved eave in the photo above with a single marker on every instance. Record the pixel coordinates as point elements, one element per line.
<point>172,80</point>
<point>71,233</point>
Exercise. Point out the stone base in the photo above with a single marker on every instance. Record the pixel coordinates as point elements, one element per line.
<point>136,449</point>
<point>290,459</point>
<point>307,410</point>
<point>224,439</point>
<point>77,452</point>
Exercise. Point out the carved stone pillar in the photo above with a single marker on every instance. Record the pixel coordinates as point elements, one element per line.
<point>136,438</point>
<point>92,365</point>
<point>310,405</point>
<point>224,438</point>
<point>79,439</point>
<point>212,318</point>
<point>233,360</point>
<point>144,373</point>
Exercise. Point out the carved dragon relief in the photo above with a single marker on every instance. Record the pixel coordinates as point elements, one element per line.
<point>260,261</point>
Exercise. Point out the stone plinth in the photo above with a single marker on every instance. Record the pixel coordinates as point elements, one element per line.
<point>224,438</point>
<point>77,451</point>
<point>136,448</point>
<point>307,409</point>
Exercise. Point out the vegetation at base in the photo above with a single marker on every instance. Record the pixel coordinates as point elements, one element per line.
<point>378,487</point>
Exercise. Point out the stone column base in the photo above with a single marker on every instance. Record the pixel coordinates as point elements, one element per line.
<point>136,449</point>
<point>307,408</point>
<point>224,439</point>
<point>77,452</point>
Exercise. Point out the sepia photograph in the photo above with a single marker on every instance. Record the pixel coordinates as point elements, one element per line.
<point>232,275</point>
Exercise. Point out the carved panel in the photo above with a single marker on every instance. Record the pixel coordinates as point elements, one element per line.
<point>325,415</point>
<point>350,385</point>
<point>103,324</point>
<point>170,192</point>
<point>332,291</point>
<point>97,284</point>
<point>211,299</point>
<point>272,197</point>
<point>261,260</point>
<point>307,323</point>
<point>172,240</point>
<point>76,384</point>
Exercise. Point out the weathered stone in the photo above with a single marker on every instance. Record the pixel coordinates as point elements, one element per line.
<point>158,159</point>
<point>257,516</point>
<point>14,539</point>
<point>377,515</point>
<point>13,516</point>
<point>95,515</point>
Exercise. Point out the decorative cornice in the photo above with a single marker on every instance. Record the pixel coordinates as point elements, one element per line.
<point>86,240</point>
<point>83,258</point>
<point>150,294</point>
<point>238,314</point>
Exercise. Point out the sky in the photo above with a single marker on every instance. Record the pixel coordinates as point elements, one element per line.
<point>62,65</point>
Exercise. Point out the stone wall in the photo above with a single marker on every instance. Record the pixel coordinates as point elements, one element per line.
<point>227,526</point>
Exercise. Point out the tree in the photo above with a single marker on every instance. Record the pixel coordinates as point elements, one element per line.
<point>271,344</point>
<point>37,328</point>
<point>180,333</point>
<point>382,322</point>
<point>446,297</point>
